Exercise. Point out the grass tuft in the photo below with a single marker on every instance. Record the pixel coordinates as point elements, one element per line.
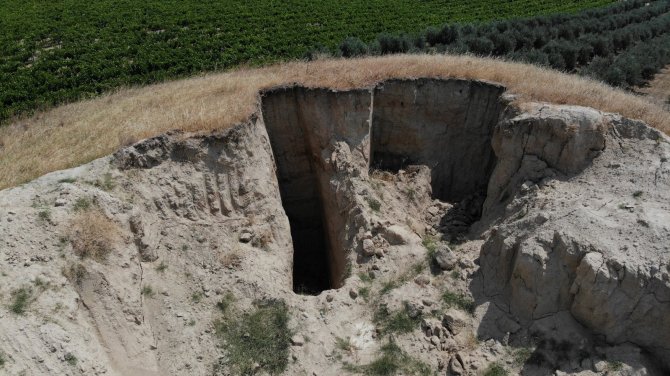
<point>391,361</point>
<point>614,366</point>
<point>106,183</point>
<point>257,337</point>
<point>495,369</point>
<point>82,203</point>
<point>459,301</point>
<point>394,322</point>
<point>148,291</point>
<point>162,267</point>
<point>44,215</point>
<point>75,273</point>
<point>71,359</point>
<point>226,303</point>
<point>374,204</point>
<point>20,300</point>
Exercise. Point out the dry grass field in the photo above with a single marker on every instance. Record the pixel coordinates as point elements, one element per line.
<point>74,134</point>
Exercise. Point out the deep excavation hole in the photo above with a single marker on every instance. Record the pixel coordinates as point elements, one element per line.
<point>446,125</point>
<point>301,123</point>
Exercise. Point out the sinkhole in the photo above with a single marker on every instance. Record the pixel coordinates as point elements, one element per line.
<point>446,125</point>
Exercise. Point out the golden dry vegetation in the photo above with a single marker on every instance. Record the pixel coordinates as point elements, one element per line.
<point>92,234</point>
<point>74,134</point>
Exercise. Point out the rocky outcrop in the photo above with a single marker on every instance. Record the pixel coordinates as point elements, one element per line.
<point>582,225</point>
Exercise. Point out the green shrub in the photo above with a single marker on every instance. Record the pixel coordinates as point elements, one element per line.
<point>495,369</point>
<point>70,359</point>
<point>459,301</point>
<point>20,300</point>
<point>226,302</point>
<point>148,291</point>
<point>82,203</point>
<point>353,47</point>
<point>394,322</point>
<point>44,215</point>
<point>374,204</point>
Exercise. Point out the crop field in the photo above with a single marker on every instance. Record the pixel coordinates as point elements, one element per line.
<point>59,51</point>
<point>624,44</point>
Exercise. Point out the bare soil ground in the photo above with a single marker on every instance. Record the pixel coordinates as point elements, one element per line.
<point>659,89</point>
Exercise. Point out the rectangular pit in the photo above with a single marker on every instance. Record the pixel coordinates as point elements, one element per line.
<point>302,125</point>
<point>446,125</point>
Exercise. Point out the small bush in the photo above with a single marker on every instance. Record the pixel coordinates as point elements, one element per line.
<point>353,47</point>
<point>364,292</point>
<point>388,286</point>
<point>226,302</point>
<point>75,273</point>
<point>374,204</point>
<point>2,359</point>
<point>20,300</point>
<point>261,336</point>
<point>196,297</point>
<point>70,359</point>
<point>344,344</point>
<point>430,243</point>
<point>106,183</point>
<point>459,301</point>
<point>522,355</point>
<point>162,267</point>
<point>394,322</point>
<point>495,369</point>
<point>148,291</point>
<point>93,235</point>
<point>614,366</point>
<point>44,215</point>
<point>82,203</point>
<point>365,277</point>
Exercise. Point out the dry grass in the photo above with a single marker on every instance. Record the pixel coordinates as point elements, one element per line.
<point>70,135</point>
<point>92,234</point>
<point>231,260</point>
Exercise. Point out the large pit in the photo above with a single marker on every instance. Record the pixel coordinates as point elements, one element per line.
<point>446,125</point>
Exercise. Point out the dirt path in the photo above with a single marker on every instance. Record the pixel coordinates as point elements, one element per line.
<point>659,88</point>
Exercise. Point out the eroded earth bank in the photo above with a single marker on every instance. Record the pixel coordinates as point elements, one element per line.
<point>416,227</point>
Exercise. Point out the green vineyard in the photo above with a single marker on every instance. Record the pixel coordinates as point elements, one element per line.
<point>63,50</point>
<point>624,44</point>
